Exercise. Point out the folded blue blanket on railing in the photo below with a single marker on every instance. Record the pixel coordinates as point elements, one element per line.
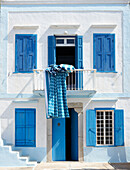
<point>56,104</point>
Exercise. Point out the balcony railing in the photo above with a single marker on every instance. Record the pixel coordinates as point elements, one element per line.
<point>78,79</point>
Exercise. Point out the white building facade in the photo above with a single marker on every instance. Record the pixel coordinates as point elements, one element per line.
<point>92,36</point>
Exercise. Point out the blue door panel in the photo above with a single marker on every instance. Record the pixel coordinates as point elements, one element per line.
<point>74,135</point>
<point>20,136</point>
<point>25,132</point>
<point>30,127</point>
<point>58,140</point>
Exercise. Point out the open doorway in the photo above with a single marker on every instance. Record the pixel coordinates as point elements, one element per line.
<point>65,138</point>
<point>65,54</point>
<point>72,136</point>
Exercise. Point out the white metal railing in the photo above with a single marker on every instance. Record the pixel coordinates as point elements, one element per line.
<point>78,79</point>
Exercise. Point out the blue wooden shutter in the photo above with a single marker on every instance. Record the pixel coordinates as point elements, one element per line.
<point>98,52</point>
<point>31,53</point>
<point>30,127</point>
<point>119,128</point>
<point>25,54</point>
<point>74,135</point>
<point>91,128</point>
<point>19,53</point>
<point>104,52</point>
<point>51,50</point>
<point>20,125</point>
<point>109,52</point>
<point>79,60</point>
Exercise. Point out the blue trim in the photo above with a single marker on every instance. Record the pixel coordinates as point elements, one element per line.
<point>24,110</point>
<point>104,108</point>
<point>35,52</point>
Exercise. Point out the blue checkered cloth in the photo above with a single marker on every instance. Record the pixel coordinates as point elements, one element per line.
<point>57,100</point>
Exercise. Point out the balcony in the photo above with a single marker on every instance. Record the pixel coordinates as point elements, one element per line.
<point>80,82</point>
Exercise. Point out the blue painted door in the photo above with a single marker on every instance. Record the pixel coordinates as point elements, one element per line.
<point>25,127</point>
<point>74,135</point>
<point>58,140</point>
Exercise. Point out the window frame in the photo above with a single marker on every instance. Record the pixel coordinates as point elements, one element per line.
<point>94,55</point>
<point>16,57</point>
<point>105,110</point>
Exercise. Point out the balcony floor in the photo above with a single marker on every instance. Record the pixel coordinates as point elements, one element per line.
<point>71,93</point>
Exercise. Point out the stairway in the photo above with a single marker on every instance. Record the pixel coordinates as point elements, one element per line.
<point>13,158</point>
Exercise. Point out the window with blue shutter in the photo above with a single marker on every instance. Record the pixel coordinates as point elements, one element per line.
<point>25,53</point>
<point>104,52</point>
<point>25,127</point>
<point>105,127</point>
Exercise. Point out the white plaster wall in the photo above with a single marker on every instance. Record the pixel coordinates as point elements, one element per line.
<point>7,116</point>
<point>106,82</point>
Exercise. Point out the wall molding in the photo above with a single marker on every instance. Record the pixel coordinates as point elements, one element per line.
<point>26,27</point>
<point>30,2</point>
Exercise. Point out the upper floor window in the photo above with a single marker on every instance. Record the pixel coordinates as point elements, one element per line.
<point>104,52</point>
<point>25,53</point>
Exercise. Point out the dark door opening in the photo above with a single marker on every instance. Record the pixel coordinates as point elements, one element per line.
<point>65,55</point>
<point>68,137</point>
<point>72,136</point>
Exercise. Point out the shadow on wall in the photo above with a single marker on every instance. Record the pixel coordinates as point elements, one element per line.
<point>120,165</point>
<point>7,128</point>
<point>118,154</point>
<point>106,154</point>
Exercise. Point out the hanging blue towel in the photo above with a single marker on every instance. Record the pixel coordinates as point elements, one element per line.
<point>57,100</point>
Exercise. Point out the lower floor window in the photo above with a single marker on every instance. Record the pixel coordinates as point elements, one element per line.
<point>104,127</point>
<point>25,127</point>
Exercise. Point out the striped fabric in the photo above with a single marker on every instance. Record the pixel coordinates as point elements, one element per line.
<point>67,67</point>
<point>57,100</point>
